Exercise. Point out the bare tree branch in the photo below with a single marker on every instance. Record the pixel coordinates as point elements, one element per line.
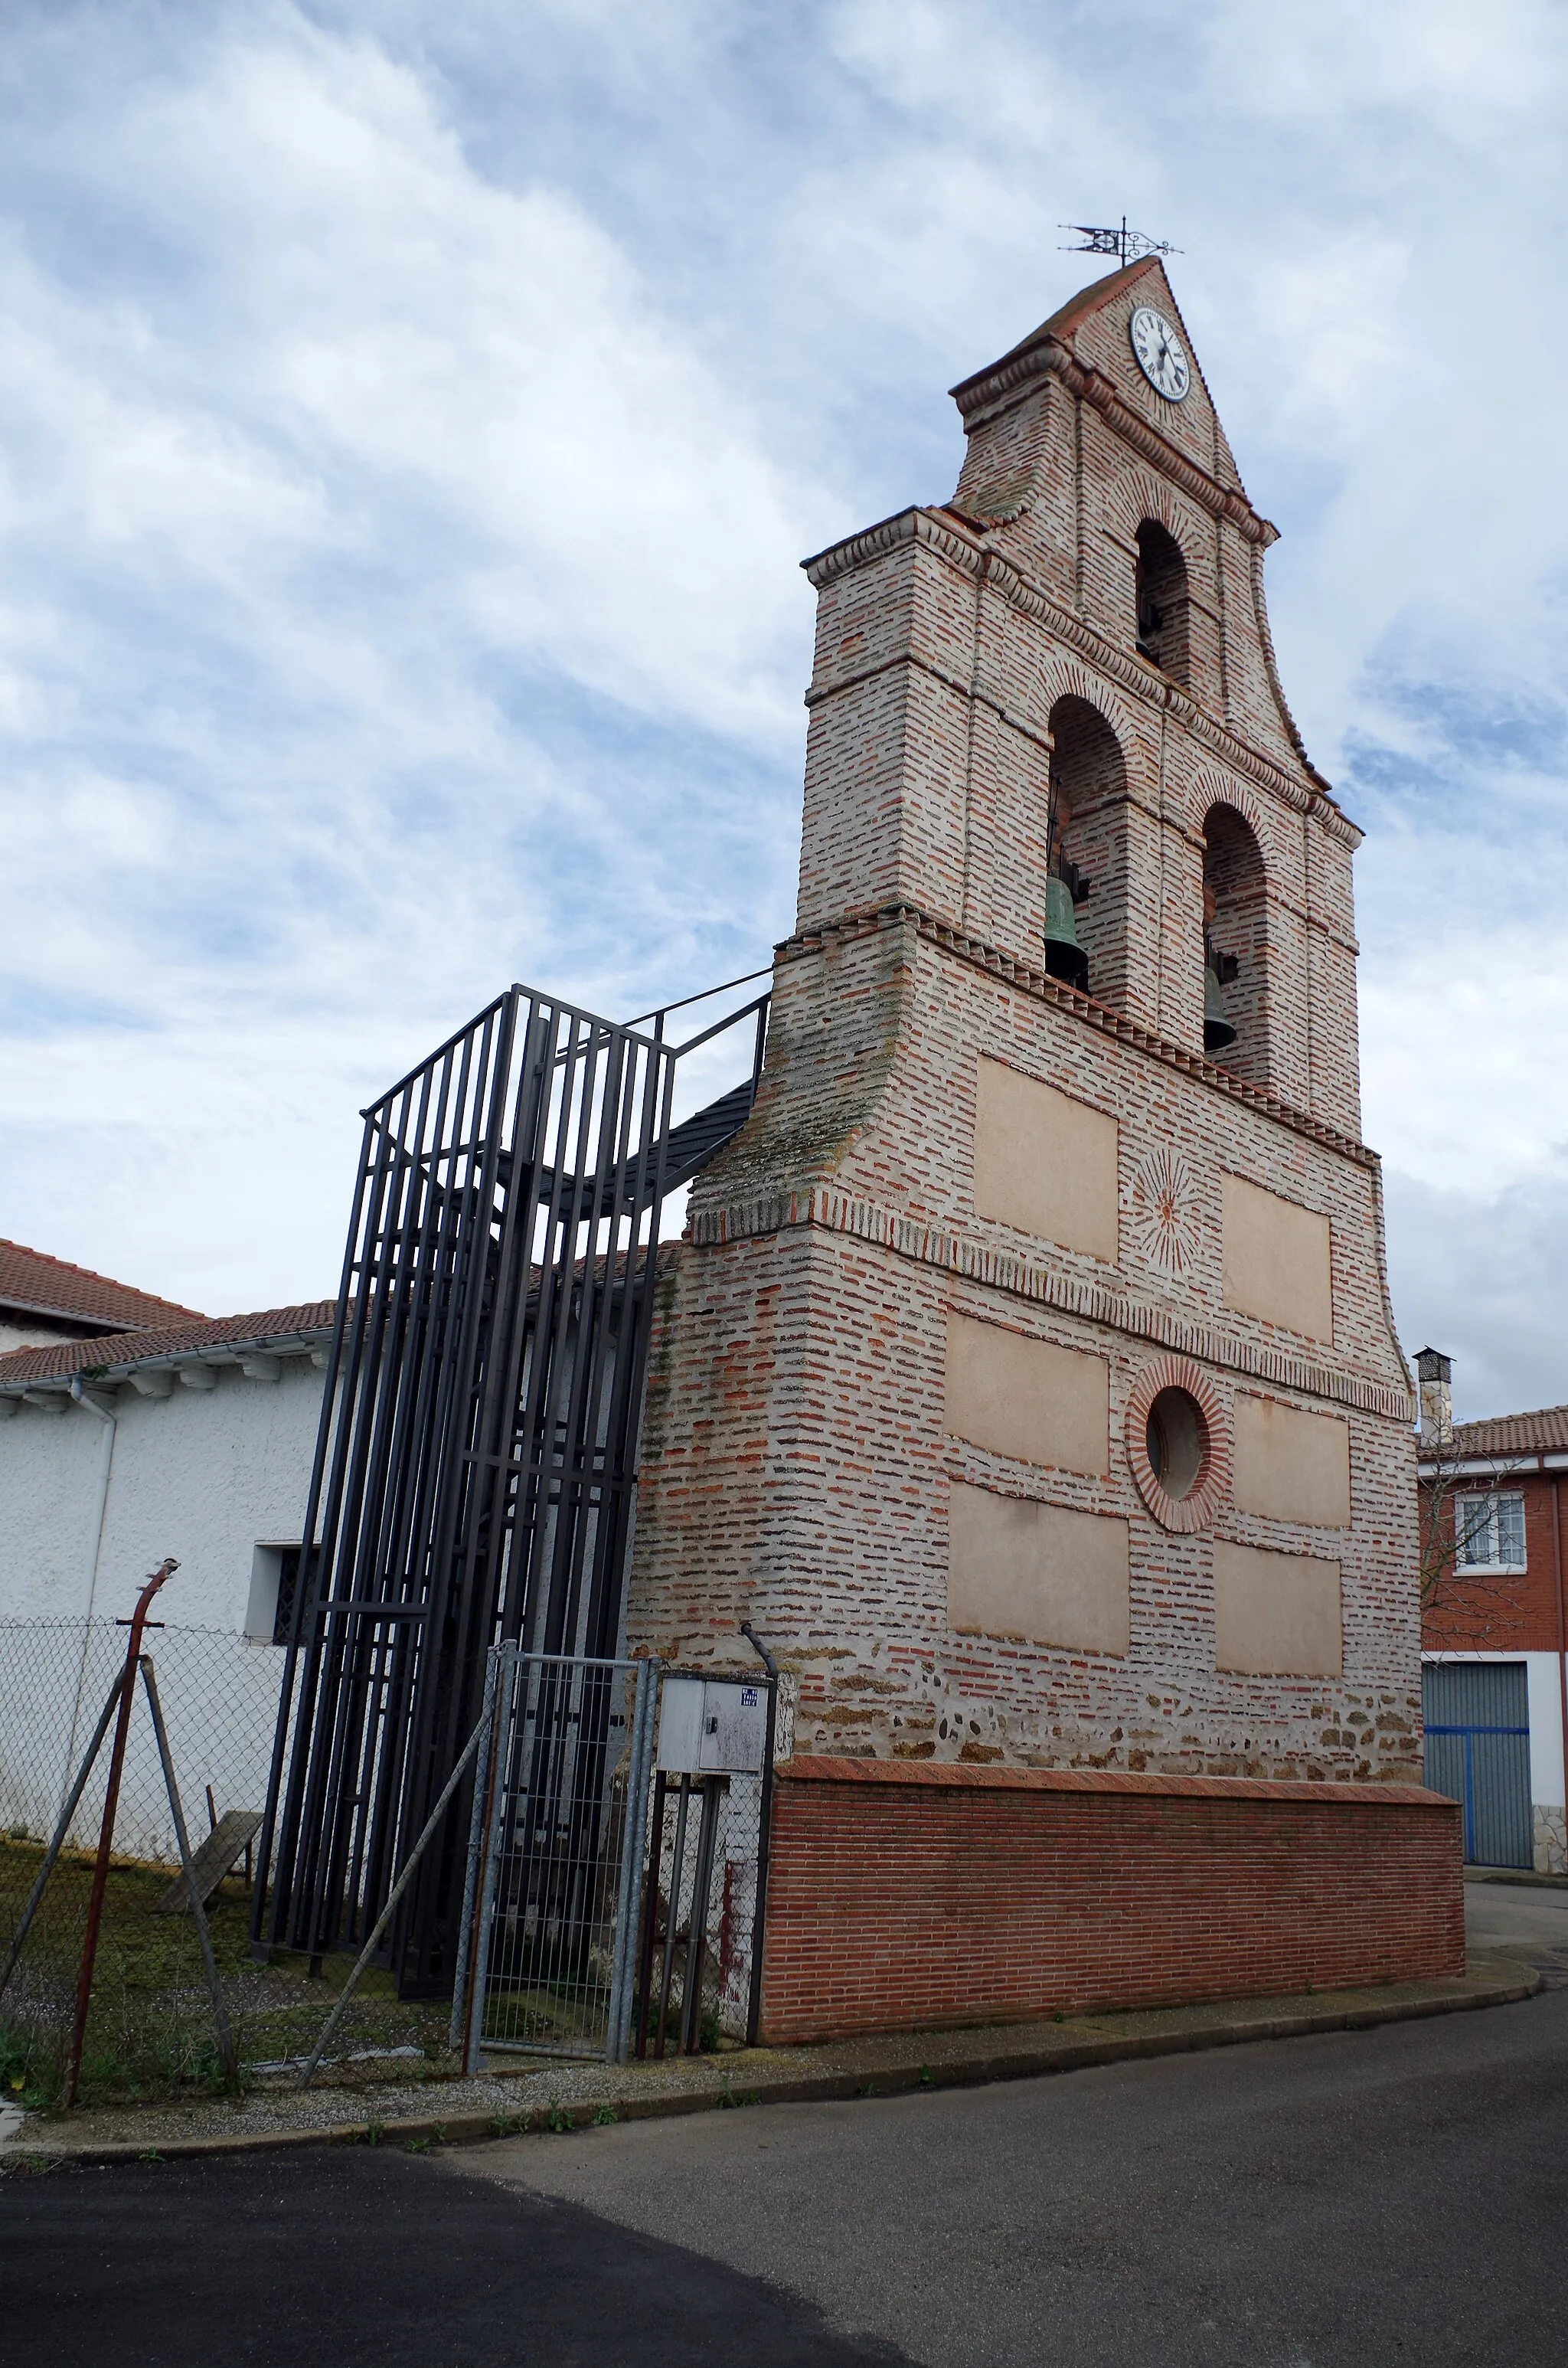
<point>1464,1606</point>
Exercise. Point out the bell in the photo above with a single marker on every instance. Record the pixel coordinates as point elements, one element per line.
<point>1065,957</point>
<point>1217,1029</point>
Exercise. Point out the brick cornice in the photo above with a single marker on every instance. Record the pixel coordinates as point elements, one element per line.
<point>823,1209</point>
<point>966,548</point>
<point>946,934</point>
<point>940,528</point>
<point>819,1768</point>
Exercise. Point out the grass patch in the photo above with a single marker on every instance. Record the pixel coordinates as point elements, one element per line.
<point>150,2033</point>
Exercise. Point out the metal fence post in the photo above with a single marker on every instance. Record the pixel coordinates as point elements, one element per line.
<point>505,1718</point>
<point>764,1839</point>
<point>639,1757</point>
<point>483,1779</point>
<point>209,1965</point>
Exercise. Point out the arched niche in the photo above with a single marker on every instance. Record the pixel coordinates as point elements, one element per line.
<point>1088,779</point>
<point>1162,601</point>
<point>1235,926</point>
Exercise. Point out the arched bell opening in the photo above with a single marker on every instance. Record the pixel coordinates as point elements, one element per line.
<point>1085,915</point>
<point>1162,598</point>
<point>1235,936</point>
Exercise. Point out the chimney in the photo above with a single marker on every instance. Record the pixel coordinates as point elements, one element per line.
<point>1435,1371</point>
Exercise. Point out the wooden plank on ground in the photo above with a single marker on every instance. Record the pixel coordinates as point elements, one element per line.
<point>212,1863</point>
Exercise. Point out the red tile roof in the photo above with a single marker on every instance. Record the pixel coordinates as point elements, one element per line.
<point>37,1285</point>
<point>114,1349</point>
<point>1541,1433</point>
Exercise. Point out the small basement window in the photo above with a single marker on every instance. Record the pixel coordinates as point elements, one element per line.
<point>1489,1532</point>
<point>274,1584</point>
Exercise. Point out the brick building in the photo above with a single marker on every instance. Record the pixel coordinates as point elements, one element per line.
<point>1029,1379</point>
<point>1029,1374</point>
<point>1495,1623</point>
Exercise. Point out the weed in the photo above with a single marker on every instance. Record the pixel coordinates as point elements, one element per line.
<point>927,2077</point>
<point>1059,2016</point>
<point>373,2133</point>
<point>416,2146</point>
<point>867,2089</point>
<point>508,2125</point>
<point>604,2117</point>
<point>27,2075</point>
<point>152,2155</point>
<point>558,2119</point>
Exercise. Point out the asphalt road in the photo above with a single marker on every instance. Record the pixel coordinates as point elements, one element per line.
<point>1375,2198</point>
<point>1520,1921</point>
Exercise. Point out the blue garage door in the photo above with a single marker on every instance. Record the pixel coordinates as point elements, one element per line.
<point>1478,1751</point>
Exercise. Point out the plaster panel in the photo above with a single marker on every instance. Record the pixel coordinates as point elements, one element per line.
<point>1290,1465</point>
<point>1043,1162</point>
<point>1276,1260</point>
<point>1028,1398</point>
<point>1276,1615</point>
<point>1020,1568</point>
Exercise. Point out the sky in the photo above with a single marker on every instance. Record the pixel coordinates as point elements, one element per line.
<point>412,419</point>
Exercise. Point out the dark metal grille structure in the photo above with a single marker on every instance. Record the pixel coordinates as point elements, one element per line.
<point>476,1462</point>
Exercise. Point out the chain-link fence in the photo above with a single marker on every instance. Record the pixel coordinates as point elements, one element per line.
<point>602,1934</point>
<point>151,2027</point>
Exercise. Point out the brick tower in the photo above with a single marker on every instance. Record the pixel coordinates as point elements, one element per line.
<point>1029,1376</point>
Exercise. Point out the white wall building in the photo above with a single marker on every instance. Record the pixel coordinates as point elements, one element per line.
<point>193,1441</point>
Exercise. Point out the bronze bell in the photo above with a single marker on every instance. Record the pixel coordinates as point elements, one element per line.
<point>1217,970</point>
<point>1065,957</point>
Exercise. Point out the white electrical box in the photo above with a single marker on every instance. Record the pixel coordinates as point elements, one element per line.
<point>711,1726</point>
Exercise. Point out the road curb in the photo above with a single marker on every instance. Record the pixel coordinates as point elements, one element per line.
<point>1222,2028</point>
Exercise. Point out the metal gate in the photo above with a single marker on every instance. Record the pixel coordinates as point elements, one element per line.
<point>555,1858</point>
<point>1478,1752</point>
<point>590,1921</point>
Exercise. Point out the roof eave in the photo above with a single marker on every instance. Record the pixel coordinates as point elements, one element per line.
<point>168,1360</point>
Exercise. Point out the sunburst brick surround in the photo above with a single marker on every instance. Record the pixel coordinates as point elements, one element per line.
<point>978,1222</point>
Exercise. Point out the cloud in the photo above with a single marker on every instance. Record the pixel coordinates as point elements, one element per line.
<point>411,418</point>
<point>383,549</point>
<point>1481,1278</point>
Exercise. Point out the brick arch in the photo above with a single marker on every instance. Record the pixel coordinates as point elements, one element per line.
<point>1138,493</point>
<point>1205,788</point>
<point>1094,767</point>
<point>1240,867</point>
<point>1062,676</point>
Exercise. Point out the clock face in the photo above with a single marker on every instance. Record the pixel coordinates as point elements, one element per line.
<point>1159,354</point>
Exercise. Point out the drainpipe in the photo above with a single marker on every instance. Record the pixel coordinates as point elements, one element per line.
<point>1562,1626</point>
<point>106,1461</point>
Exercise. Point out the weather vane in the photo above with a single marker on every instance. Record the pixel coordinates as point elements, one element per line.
<point>1126,245</point>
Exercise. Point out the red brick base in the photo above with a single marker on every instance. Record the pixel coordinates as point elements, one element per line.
<point>906,1897</point>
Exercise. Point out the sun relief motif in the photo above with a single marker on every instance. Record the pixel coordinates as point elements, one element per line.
<point>1163,1212</point>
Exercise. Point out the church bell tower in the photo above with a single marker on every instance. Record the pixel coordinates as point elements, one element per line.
<point>1028,1376</point>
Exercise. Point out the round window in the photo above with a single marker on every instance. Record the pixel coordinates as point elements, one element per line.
<point>1177,1442</point>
